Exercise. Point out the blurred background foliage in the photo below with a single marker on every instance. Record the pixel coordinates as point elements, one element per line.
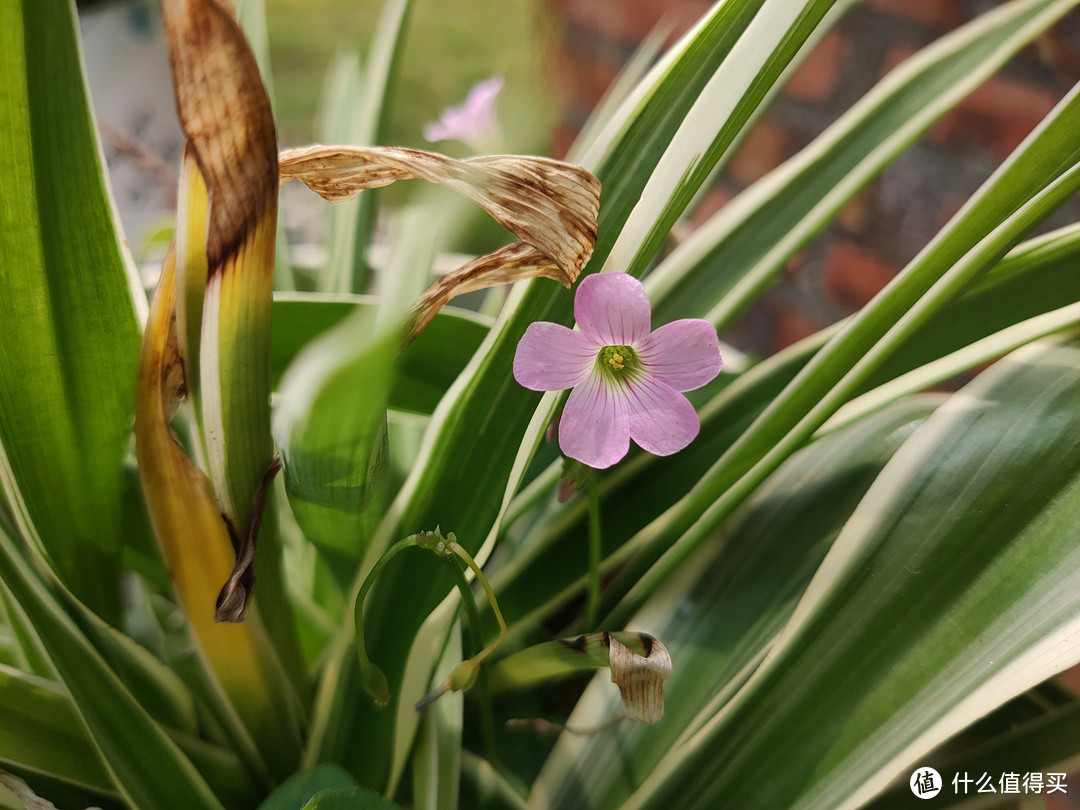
<point>448,48</point>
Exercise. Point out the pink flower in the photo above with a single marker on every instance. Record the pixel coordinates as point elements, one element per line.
<point>626,378</point>
<point>473,123</point>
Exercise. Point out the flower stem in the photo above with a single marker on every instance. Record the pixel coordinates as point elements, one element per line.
<point>592,602</point>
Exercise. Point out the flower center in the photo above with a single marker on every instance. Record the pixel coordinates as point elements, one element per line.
<point>617,363</point>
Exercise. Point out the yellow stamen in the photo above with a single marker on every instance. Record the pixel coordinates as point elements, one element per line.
<point>616,361</point>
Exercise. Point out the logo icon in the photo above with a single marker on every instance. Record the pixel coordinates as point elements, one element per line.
<point>925,783</point>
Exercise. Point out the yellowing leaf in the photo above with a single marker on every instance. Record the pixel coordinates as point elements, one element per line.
<point>225,114</point>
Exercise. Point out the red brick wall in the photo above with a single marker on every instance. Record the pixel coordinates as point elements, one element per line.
<point>886,225</point>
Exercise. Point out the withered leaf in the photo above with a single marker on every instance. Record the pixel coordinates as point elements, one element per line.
<point>551,206</point>
<point>226,116</point>
<point>640,678</point>
<point>225,113</point>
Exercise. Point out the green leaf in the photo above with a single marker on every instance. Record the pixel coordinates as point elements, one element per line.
<point>425,370</point>
<point>721,613</point>
<point>41,732</point>
<point>1036,277</point>
<point>1041,174</point>
<point>772,39</point>
<point>331,427</point>
<point>982,324</point>
<point>952,588</point>
<point>1034,745</point>
<point>296,791</point>
<point>331,421</point>
<point>355,799</point>
<point>69,316</point>
<point>146,766</point>
<point>436,762</point>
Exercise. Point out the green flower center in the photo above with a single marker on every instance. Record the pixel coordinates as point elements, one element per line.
<point>618,363</point>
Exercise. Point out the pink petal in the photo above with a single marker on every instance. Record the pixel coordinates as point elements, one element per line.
<point>612,309</point>
<point>595,428</point>
<point>551,357</point>
<point>662,420</point>
<point>684,354</point>
<point>473,122</point>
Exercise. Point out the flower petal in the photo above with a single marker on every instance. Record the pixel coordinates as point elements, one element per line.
<point>595,427</point>
<point>473,122</point>
<point>684,354</point>
<point>551,357</point>
<point>612,308</point>
<point>662,420</point>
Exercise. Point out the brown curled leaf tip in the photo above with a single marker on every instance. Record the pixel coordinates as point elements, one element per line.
<point>640,678</point>
<point>551,206</point>
<point>232,602</point>
<point>225,113</point>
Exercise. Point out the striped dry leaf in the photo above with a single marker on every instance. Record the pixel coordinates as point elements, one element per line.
<point>549,205</point>
<point>639,664</point>
<point>640,678</point>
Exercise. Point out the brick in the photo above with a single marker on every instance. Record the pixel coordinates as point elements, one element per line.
<point>853,275</point>
<point>765,149</point>
<point>1070,679</point>
<point>949,208</point>
<point>562,138</point>
<point>715,198</point>
<point>1055,50</point>
<point>895,55</point>
<point>631,21</point>
<point>940,15</point>
<point>854,217</point>
<point>996,117</point>
<point>790,325</point>
<point>584,77</point>
<point>818,75</point>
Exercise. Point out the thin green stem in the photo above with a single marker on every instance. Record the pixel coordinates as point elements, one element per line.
<point>372,677</point>
<point>592,603</point>
<point>469,561</point>
<point>483,687</point>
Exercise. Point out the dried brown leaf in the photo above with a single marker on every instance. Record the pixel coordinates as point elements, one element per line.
<point>225,113</point>
<point>640,678</point>
<point>514,262</point>
<point>549,205</point>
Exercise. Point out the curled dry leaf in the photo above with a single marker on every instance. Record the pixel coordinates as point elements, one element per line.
<point>549,205</point>
<point>640,678</point>
<point>639,665</point>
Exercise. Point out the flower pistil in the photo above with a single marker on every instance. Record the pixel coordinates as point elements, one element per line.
<point>618,363</point>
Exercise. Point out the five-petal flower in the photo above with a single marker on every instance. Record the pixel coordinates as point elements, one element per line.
<point>626,378</point>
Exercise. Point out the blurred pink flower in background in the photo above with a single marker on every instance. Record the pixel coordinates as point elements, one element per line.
<point>474,122</point>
